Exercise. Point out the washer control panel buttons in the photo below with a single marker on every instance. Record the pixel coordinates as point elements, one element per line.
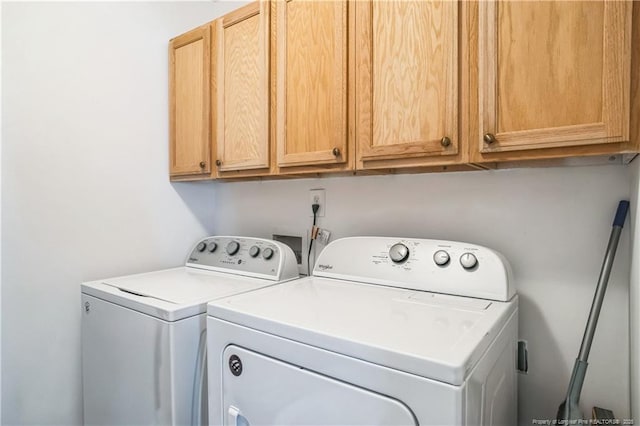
<point>399,253</point>
<point>441,258</point>
<point>267,253</point>
<point>259,257</point>
<point>468,260</point>
<point>232,248</point>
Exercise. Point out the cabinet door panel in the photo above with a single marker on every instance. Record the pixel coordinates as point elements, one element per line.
<point>553,73</point>
<point>190,103</point>
<point>242,48</point>
<point>407,78</point>
<point>311,82</point>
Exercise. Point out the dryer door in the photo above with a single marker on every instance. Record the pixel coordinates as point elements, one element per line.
<point>259,390</point>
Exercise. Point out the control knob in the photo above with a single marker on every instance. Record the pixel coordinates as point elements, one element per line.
<point>254,251</point>
<point>468,261</point>
<point>267,253</point>
<point>232,248</point>
<point>212,247</point>
<point>399,253</point>
<point>201,246</point>
<point>441,257</point>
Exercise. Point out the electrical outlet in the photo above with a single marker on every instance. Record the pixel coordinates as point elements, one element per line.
<point>317,196</point>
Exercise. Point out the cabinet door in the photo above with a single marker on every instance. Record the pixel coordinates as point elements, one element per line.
<point>241,49</point>
<point>553,74</point>
<point>189,100</point>
<point>311,82</point>
<point>407,79</point>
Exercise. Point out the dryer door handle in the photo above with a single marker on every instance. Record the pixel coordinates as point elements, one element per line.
<point>237,419</point>
<point>233,415</point>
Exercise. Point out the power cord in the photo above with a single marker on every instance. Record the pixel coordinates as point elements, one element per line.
<point>312,236</point>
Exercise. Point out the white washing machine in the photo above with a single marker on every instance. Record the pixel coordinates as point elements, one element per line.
<point>387,331</point>
<point>143,336</point>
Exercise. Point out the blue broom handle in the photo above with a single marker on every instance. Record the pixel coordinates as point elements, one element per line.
<point>621,213</point>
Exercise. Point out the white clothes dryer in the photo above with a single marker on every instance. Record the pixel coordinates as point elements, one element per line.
<point>387,331</point>
<point>143,336</point>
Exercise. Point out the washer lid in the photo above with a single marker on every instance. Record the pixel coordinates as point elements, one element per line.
<point>433,335</point>
<point>181,285</point>
<point>171,294</point>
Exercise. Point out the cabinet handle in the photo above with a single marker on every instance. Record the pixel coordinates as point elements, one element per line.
<point>489,138</point>
<point>336,152</point>
<point>203,164</point>
<point>218,163</point>
<point>445,142</point>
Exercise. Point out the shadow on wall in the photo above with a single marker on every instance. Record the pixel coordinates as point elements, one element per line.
<point>198,197</point>
<point>543,351</point>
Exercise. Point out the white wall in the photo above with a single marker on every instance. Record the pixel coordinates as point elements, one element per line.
<point>552,224</point>
<point>85,190</point>
<point>634,295</point>
<point>0,218</point>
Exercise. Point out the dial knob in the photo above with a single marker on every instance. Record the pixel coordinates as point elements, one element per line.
<point>201,246</point>
<point>267,253</point>
<point>232,248</point>
<point>441,257</point>
<point>468,261</point>
<point>212,247</point>
<point>399,253</point>
<point>254,251</point>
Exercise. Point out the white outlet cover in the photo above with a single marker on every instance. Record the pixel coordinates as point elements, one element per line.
<point>323,236</point>
<point>318,194</point>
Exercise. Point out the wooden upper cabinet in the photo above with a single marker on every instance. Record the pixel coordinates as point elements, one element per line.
<point>406,79</point>
<point>286,87</point>
<point>552,74</point>
<point>241,76</point>
<point>189,100</point>
<point>310,102</point>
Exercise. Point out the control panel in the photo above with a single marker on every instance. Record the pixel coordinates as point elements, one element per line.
<point>248,256</point>
<point>430,265</point>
